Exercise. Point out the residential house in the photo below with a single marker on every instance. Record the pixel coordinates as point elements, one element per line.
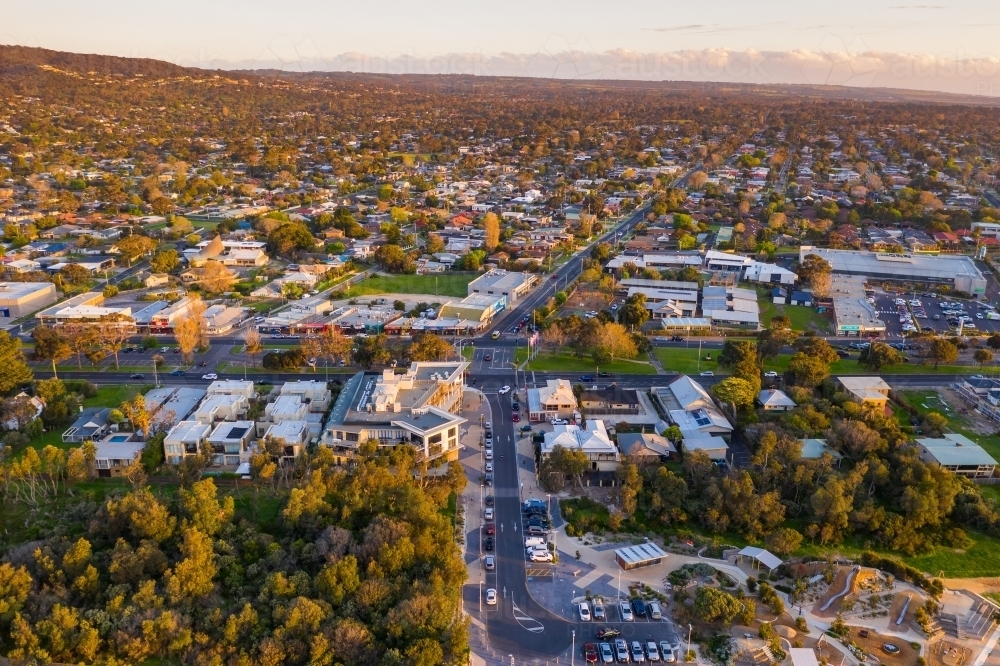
<point>230,442</point>
<point>293,436</point>
<point>113,457</point>
<point>92,424</point>
<point>646,447</point>
<point>775,400</point>
<point>555,400</point>
<point>610,400</point>
<point>187,438</point>
<point>959,454</point>
<point>593,441</point>
<point>866,390</point>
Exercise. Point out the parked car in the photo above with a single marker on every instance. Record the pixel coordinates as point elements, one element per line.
<point>489,513</point>
<point>621,650</point>
<point>559,422</point>
<point>515,406</point>
<point>590,653</point>
<point>652,654</point>
<point>489,479</point>
<point>639,606</point>
<point>541,556</point>
<point>534,530</point>
<point>771,374</point>
<point>599,611</point>
<point>489,454</point>
<point>637,654</point>
<point>490,529</point>
<point>708,373</point>
<point>489,467</point>
<point>667,652</point>
<point>525,428</point>
<point>607,654</point>
<point>489,543</point>
<point>491,563</point>
<point>515,417</point>
<point>489,500</point>
<point>626,611</point>
<point>491,596</point>
<point>655,612</point>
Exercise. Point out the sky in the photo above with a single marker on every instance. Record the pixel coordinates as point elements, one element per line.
<point>939,45</point>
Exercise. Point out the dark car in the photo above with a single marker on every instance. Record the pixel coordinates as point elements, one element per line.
<point>587,378</point>
<point>639,606</point>
<point>491,529</point>
<point>487,357</point>
<point>516,406</point>
<point>525,428</point>
<point>676,338</point>
<point>489,479</point>
<point>176,373</point>
<point>534,530</point>
<point>489,543</point>
<point>603,374</point>
<point>515,418</point>
<point>535,509</point>
<point>127,350</point>
<point>489,500</point>
<point>137,375</point>
<point>203,364</point>
<point>590,653</point>
<point>265,382</point>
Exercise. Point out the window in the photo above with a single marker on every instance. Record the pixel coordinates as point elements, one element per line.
<point>452,432</point>
<point>434,439</point>
<point>102,463</point>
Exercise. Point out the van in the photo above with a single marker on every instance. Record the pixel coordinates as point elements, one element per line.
<point>532,541</point>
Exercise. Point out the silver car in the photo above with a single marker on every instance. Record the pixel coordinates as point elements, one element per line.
<point>621,651</point>
<point>607,654</point>
<point>626,611</point>
<point>667,652</point>
<point>651,652</point>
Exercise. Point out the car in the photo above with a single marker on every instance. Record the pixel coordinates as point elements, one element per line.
<point>489,467</point>
<point>491,597</point>
<point>515,417</point>
<point>667,652</point>
<point>676,338</point>
<point>489,513</point>
<point>265,382</point>
<point>977,377</point>
<point>525,428</point>
<point>487,357</point>
<point>516,406</point>
<point>490,529</point>
<point>608,633</point>
<point>599,613</point>
<point>496,335</point>
<point>489,454</point>
<point>979,315</point>
<point>843,353</point>
<point>164,350</point>
<point>559,422</point>
<point>488,426</point>
<point>489,440</point>
<point>614,307</point>
<point>652,654</point>
<point>626,611</point>
<point>212,376</point>
<point>489,543</point>
<point>137,375</point>
<point>584,611</point>
<point>177,350</point>
<point>544,556</point>
<point>621,650</point>
<point>504,390</point>
<point>607,654</point>
<point>489,500</point>
<point>590,653</point>
<point>603,374</point>
<point>534,530</point>
<point>639,606</point>
<point>637,654</point>
<point>771,374</point>
<point>203,364</point>
<point>490,563</point>
<point>890,648</point>
<point>586,378</point>
<point>708,373</point>
<point>127,350</point>
<point>489,479</point>
<point>655,612</point>
<point>176,373</point>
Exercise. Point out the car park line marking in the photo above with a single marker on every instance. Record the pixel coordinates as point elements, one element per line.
<point>540,573</point>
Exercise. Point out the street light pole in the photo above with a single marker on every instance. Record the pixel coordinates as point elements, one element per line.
<point>689,642</point>
<point>572,654</point>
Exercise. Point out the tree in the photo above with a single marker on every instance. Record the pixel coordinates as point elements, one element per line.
<point>491,226</point>
<point>50,346</point>
<point>568,462</point>
<point>856,440</point>
<point>75,274</point>
<point>629,486</point>
<point>783,541</point>
<point>714,606</point>
<point>736,391</point>
<point>192,578</point>
<point>191,331</point>
<point>290,238</point>
<point>252,345</point>
<point>14,371</point>
<point>982,357</point>
<point>698,179</point>
<point>770,342</point>
<point>808,371</point>
<point>334,345</point>
<point>812,265</point>
<point>393,259</point>
<point>203,507</point>
<point>371,351</point>
<point>634,313</point>
<point>434,244</point>
<point>113,331</point>
<point>135,246</point>
<point>740,357</point>
<point>613,341</point>
<point>934,424</point>
<point>430,347</point>
<point>817,348</point>
<point>820,284</point>
<point>164,261</point>
<point>18,409</point>
<point>216,278</point>
<point>994,341</point>
<point>879,355</point>
<point>942,351</point>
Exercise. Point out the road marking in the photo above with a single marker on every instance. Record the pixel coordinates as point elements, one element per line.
<point>540,573</point>
<point>528,623</point>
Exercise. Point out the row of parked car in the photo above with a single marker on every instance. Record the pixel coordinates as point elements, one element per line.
<point>640,652</point>
<point>627,609</point>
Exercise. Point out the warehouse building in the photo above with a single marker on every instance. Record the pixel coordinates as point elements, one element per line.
<point>502,283</point>
<point>956,271</point>
<point>18,299</point>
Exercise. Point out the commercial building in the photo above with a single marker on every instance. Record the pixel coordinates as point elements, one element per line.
<point>498,282</point>
<point>730,306</point>
<point>480,308</point>
<point>419,408</point>
<point>853,315</point>
<point>658,261</point>
<point>958,454</point>
<point>593,441</point>
<point>554,400</point>
<point>18,299</point>
<point>956,271</point>
<point>85,308</point>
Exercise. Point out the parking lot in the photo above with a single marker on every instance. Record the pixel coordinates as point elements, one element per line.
<point>920,310</point>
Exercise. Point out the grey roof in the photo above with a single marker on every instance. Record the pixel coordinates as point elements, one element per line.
<point>643,552</point>
<point>954,449</point>
<point>767,558</point>
<point>945,266</point>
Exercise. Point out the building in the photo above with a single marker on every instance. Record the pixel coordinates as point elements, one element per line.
<point>640,555</point>
<point>187,438</point>
<point>555,400</point>
<point>658,261</point>
<point>85,308</point>
<point>647,448</point>
<point>221,407</point>
<point>497,282</point>
<point>610,400</point>
<point>286,408</point>
<point>92,424</point>
<point>114,455</point>
<point>230,442</point>
<point>853,315</point>
<point>315,394</point>
<point>593,441</point>
<point>956,271</point>
<point>730,306</point>
<point>958,454</point>
<point>866,390</point>
<point>171,405</point>
<point>241,387</point>
<point>479,308</point>
<point>690,407</point>
<point>419,408</point>
<point>814,449</point>
<point>18,299</point>
<point>292,435</point>
<point>757,271</point>
<point>775,400</point>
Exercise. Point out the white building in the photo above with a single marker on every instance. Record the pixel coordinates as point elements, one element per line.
<point>555,400</point>
<point>185,439</point>
<point>592,440</point>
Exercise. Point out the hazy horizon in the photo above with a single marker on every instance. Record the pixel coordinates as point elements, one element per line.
<point>881,44</point>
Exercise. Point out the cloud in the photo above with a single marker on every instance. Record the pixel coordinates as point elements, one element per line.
<point>835,63</point>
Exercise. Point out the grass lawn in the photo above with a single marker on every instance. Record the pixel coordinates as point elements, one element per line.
<point>326,284</point>
<point>928,401</point>
<point>114,395</point>
<point>566,362</point>
<point>441,285</point>
<point>685,361</point>
<point>802,318</point>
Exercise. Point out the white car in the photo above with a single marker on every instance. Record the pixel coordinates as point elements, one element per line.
<point>559,422</point>
<point>584,611</point>
<point>489,467</point>
<point>488,425</point>
<point>541,556</point>
<point>211,376</point>
<point>491,597</point>
<point>626,611</point>
<point>708,373</point>
<point>489,513</point>
<point>489,442</point>
<point>504,390</point>
<point>614,307</point>
<point>667,652</point>
<point>489,455</point>
<point>771,374</point>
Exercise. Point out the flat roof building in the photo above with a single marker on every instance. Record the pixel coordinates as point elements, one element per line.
<point>419,407</point>
<point>475,307</point>
<point>853,314</point>
<point>640,555</point>
<point>958,454</point>
<point>954,270</point>
<point>499,282</point>
<point>85,308</point>
<point>18,299</point>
